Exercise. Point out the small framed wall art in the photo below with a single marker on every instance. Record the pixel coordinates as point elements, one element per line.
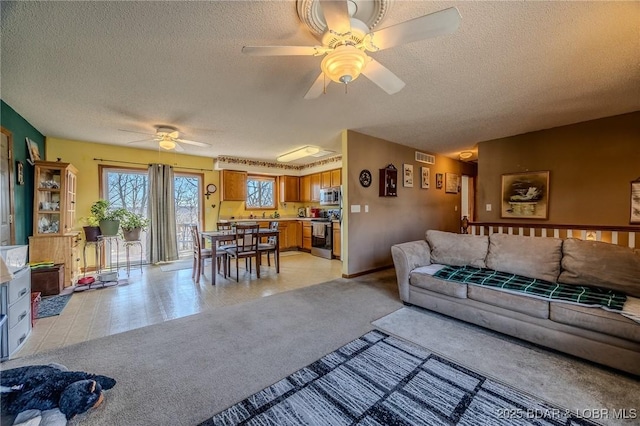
<point>439,180</point>
<point>635,202</point>
<point>425,174</point>
<point>34,152</point>
<point>451,183</point>
<point>407,175</point>
<point>20,172</point>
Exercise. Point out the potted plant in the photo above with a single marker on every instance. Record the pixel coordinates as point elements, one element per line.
<point>131,224</point>
<point>92,228</point>
<point>108,218</point>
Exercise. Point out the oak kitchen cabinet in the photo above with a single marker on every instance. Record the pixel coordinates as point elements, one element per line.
<point>315,186</point>
<point>325,179</point>
<point>337,243</point>
<point>288,237</point>
<point>305,188</point>
<point>336,177</point>
<point>306,235</point>
<point>234,185</point>
<point>289,189</point>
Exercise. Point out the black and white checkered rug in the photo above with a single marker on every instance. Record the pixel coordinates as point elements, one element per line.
<point>380,380</point>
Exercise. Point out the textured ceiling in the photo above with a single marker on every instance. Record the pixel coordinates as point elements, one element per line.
<point>83,70</point>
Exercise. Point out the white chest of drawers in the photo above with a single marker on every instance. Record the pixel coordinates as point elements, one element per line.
<point>15,303</point>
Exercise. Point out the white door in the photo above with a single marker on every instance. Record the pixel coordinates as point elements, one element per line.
<point>6,209</point>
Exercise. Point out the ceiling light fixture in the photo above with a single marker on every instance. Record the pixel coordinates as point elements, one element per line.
<point>344,64</point>
<point>167,143</point>
<point>298,153</point>
<point>465,155</point>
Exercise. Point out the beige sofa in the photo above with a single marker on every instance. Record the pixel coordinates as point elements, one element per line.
<point>592,333</point>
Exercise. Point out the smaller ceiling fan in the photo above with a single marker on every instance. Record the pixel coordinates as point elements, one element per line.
<point>168,137</point>
<point>347,39</point>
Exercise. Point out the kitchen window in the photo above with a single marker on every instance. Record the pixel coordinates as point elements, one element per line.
<point>261,192</point>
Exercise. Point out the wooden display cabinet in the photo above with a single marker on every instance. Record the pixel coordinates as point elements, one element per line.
<point>54,214</point>
<point>54,207</point>
<point>58,249</point>
<point>389,181</point>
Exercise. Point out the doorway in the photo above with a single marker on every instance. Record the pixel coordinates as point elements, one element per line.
<point>467,198</point>
<point>7,227</point>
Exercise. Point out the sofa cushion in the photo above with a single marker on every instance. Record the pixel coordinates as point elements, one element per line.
<point>534,257</point>
<point>599,264</point>
<point>595,319</point>
<point>448,248</point>
<point>523,304</point>
<point>428,282</point>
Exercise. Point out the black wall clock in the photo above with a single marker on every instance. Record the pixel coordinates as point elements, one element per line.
<point>365,178</point>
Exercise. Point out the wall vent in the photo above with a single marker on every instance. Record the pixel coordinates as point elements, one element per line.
<point>425,158</point>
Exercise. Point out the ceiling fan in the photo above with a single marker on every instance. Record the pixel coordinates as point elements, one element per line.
<point>168,137</point>
<point>346,41</point>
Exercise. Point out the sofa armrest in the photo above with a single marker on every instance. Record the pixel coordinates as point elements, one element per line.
<point>407,257</point>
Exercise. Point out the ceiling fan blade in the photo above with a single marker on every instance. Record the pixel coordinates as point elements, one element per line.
<point>142,140</point>
<point>133,131</point>
<point>317,88</point>
<point>432,25</point>
<point>193,142</point>
<point>283,50</point>
<point>336,15</point>
<point>385,79</point>
<point>174,134</point>
<point>178,147</point>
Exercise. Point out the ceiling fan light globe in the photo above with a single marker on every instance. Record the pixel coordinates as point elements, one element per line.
<point>344,64</point>
<point>167,144</point>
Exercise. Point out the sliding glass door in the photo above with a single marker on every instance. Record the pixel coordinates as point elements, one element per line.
<point>128,188</point>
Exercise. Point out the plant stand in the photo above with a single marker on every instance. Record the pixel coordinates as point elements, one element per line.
<point>127,247</point>
<point>104,274</point>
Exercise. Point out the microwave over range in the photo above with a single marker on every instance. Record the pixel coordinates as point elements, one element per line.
<point>330,196</point>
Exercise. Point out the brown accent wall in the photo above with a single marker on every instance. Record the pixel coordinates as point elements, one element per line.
<point>391,220</point>
<point>591,166</point>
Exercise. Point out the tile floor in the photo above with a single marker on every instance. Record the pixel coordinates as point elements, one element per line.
<point>152,296</point>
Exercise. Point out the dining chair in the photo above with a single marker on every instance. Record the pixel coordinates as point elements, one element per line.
<point>246,246</point>
<point>201,253</point>
<point>269,246</point>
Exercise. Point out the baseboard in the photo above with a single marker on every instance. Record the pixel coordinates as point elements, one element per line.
<point>368,271</point>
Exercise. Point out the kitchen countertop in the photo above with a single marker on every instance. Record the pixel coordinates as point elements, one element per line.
<point>280,219</point>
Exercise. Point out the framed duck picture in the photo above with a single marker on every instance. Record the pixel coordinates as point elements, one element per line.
<point>525,195</point>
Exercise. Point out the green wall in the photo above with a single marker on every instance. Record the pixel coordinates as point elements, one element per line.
<point>23,195</point>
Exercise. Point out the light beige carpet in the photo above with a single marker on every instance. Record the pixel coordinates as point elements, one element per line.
<point>580,386</point>
<point>182,372</point>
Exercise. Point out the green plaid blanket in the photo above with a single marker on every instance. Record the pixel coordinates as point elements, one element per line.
<point>588,296</point>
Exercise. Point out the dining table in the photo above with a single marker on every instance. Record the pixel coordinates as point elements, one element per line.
<point>229,235</point>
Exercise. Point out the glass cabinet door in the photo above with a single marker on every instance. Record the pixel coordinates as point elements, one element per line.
<point>55,198</point>
<point>70,201</point>
<point>48,197</point>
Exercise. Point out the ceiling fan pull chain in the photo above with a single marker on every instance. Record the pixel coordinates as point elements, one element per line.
<point>324,82</point>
